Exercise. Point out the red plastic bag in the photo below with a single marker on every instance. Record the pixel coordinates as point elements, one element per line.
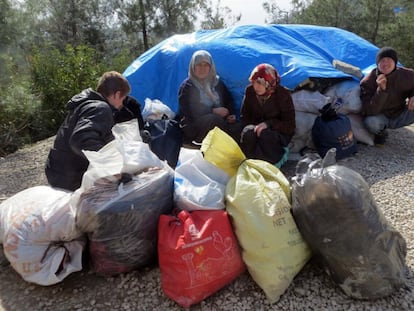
<point>198,255</point>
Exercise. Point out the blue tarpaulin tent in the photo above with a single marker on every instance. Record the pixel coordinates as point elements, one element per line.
<point>298,52</point>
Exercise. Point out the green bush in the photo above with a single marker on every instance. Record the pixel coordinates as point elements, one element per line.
<point>57,76</point>
<point>18,109</point>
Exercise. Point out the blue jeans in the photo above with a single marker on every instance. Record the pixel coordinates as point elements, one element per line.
<point>377,123</point>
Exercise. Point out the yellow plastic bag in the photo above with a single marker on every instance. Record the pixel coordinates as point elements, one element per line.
<point>223,151</point>
<point>258,199</point>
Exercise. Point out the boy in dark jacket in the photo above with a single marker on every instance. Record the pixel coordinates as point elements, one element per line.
<point>87,126</point>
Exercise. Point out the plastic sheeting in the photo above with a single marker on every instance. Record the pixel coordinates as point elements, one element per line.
<point>298,52</point>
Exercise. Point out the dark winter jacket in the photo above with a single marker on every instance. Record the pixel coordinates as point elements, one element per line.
<point>278,111</point>
<point>189,101</point>
<point>88,126</point>
<point>390,102</point>
<point>131,109</point>
<point>197,119</point>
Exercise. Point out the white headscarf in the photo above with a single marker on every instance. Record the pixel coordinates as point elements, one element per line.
<point>208,95</point>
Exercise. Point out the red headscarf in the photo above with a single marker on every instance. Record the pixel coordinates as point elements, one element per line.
<point>266,75</point>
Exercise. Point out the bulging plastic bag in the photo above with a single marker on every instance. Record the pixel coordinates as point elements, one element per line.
<point>155,109</point>
<point>128,130</point>
<point>198,184</point>
<point>39,236</point>
<point>117,157</point>
<point>123,192</point>
<point>222,151</point>
<point>165,139</point>
<point>120,215</point>
<point>309,101</point>
<point>198,255</point>
<point>258,201</point>
<point>338,217</point>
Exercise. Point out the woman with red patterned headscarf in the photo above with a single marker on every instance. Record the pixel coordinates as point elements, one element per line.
<point>267,115</point>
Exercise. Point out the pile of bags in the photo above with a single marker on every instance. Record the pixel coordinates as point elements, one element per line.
<point>212,218</point>
<point>309,104</point>
<point>112,218</point>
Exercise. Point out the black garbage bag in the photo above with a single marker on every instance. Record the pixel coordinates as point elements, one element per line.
<point>120,216</point>
<point>165,139</point>
<point>348,234</point>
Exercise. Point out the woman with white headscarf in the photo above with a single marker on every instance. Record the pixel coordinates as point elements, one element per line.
<point>204,101</point>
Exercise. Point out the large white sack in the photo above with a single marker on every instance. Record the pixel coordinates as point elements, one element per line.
<point>361,134</point>
<point>309,101</point>
<point>39,236</point>
<point>349,92</point>
<point>302,137</point>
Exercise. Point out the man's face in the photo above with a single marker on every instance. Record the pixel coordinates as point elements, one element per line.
<point>116,100</point>
<point>386,65</point>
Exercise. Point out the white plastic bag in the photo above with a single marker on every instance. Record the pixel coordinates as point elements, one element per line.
<point>361,134</point>
<point>349,92</point>
<point>302,137</point>
<point>309,101</point>
<point>118,157</point>
<point>128,130</point>
<point>198,184</point>
<point>154,109</point>
<point>39,235</point>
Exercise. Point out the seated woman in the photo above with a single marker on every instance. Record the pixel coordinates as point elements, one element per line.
<point>205,102</point>
<point>267,115</point>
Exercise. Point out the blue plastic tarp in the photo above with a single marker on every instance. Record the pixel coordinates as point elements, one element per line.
<point>298,52</point>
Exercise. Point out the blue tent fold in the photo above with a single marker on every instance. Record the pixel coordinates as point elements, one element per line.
<point>298,52</point>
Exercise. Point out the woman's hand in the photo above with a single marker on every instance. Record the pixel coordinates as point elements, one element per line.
<point>259,128</point>
<point>221,111</point>
<point>410,105</point>
<point>231,118</point>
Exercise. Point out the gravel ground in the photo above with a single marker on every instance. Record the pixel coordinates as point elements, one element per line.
<point>388,170</point>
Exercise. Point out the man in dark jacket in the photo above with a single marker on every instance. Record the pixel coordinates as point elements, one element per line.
<point>87,126</point>
<point>387,95</point>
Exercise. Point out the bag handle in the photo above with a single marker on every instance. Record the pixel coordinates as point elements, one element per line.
<point>308,165</point>
<point>190,229</point>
